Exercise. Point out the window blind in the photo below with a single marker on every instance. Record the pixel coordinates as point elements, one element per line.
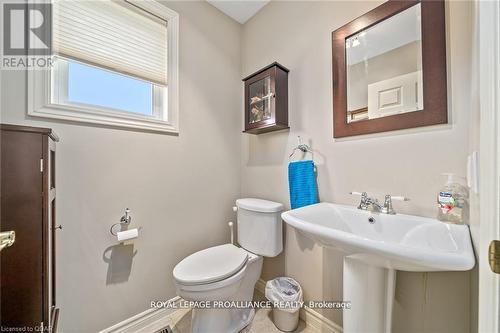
<point>114,35</point>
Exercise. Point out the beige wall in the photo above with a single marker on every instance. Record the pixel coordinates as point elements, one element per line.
<point>298,35</point>
<point>180,188</point>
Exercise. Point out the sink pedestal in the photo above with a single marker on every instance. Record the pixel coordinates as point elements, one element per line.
<point>370,289</point>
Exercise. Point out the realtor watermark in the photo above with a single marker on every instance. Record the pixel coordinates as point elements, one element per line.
<point>183,304</point>
<point>27,36</point>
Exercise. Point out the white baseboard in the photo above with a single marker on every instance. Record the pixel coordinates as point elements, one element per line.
<point>144,321</point>
<point>313,319</point>
<point>319,322</point>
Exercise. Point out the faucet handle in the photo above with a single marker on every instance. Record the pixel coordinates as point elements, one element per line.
<point>387,208</point>
<point>363,204</point>
<point>398,197</point>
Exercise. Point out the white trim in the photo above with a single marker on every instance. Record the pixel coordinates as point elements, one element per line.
<point>143,320</point>
<point>173,67</point>
<point>155,8</point>
<point>319,322</point>
<point>38,87</point>
<point>313,319</point>
<point>489,88</point>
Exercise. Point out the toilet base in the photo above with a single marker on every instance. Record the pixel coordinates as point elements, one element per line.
<point>225,320</point>
<point>220,320</point>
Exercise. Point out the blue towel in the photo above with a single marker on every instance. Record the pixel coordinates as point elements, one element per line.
<point>302,184</point>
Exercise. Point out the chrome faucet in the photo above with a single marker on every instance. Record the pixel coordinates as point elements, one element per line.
<point>368,203</point>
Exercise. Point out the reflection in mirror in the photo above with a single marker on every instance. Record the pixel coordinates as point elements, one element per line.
<point>384,68</point>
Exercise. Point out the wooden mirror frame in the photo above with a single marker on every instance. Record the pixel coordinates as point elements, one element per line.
<point>435,109</point>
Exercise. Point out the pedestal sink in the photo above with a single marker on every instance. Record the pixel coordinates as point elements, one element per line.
<point>375,246</point>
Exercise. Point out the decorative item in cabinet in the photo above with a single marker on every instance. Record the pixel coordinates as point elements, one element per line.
<point>266,100</point>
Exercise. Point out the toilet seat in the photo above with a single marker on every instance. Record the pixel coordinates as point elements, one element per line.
<point>210,265</point>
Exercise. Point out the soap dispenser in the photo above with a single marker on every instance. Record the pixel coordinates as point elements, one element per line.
<point>452,200</point>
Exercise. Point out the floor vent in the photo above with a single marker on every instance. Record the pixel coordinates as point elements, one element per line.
<point>166,329</point>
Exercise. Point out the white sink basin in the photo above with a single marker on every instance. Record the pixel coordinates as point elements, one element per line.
<point>375,245</point>
<point>401,242</point>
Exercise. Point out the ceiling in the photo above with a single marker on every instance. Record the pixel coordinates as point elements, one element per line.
<point>240,11</point>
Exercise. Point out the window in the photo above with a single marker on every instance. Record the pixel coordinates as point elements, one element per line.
<point>95,89</point>
<point>90,85</point>
<point>115,63</point>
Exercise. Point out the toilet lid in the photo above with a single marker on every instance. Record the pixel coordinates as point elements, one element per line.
<point>210,265</point>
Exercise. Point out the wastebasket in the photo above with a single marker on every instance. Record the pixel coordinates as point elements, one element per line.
<point>286,294</point>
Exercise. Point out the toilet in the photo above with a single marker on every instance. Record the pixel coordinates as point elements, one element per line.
<point>228,272</point>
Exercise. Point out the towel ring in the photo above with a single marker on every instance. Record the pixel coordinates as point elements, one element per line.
<point>305,149</point>
<point>302,147</point>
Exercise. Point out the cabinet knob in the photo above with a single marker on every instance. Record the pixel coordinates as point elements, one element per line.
<point>59,227</point>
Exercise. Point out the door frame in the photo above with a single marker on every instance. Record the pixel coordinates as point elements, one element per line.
<point>488,20</point>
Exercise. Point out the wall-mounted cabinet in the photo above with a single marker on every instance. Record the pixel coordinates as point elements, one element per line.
<point>266,100</point>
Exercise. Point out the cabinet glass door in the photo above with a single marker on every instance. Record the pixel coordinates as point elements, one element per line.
<point>260,95</point>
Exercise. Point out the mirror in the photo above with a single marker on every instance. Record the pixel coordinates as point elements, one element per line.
<point>384,68</point>
<point>389,69</point>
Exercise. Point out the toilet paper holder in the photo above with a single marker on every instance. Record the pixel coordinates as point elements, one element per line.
<point>124,220</point>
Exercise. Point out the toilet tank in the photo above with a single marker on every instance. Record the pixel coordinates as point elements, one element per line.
<point>260,226</point>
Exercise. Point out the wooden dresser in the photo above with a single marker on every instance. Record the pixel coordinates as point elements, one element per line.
<point>28,199</point>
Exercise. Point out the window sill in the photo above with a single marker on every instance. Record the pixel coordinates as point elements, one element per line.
<point>73,113</point>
